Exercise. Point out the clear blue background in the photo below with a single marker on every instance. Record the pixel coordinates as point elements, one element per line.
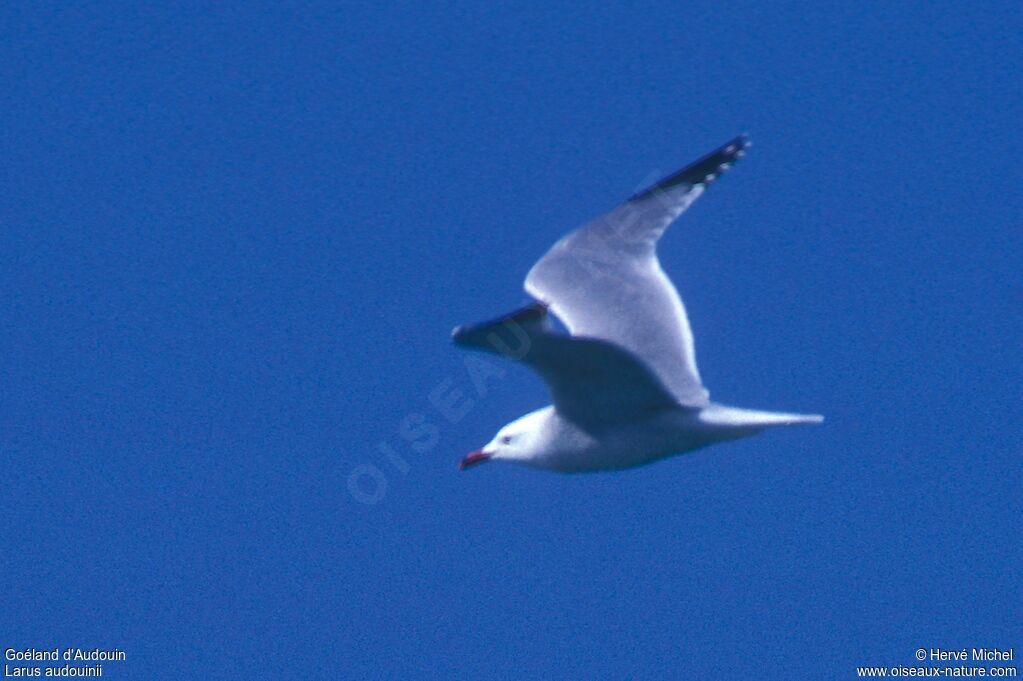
<point>235,238</point>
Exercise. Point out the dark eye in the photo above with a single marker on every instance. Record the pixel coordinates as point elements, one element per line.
<point>506,440</point>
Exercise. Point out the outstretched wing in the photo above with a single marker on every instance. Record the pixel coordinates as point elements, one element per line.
<point>592,382</point>
<point>605,282</point>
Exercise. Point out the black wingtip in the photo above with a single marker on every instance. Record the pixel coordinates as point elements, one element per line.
<point>705,170</point>
<point>466,333</point>
<point>535,310</point>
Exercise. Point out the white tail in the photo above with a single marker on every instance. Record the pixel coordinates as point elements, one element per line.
<point>720,415</point>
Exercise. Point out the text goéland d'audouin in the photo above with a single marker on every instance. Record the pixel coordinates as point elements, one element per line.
<point>82,656</point>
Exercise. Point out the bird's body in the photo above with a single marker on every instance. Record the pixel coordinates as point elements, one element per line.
<point>566,447</point>
<point>625,384</point>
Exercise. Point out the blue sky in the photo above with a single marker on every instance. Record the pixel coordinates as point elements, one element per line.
<point>235,237</point>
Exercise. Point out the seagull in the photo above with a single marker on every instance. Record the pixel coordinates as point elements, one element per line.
<point>623,381</point>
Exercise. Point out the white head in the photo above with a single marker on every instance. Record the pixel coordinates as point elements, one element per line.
<point>521,440</point>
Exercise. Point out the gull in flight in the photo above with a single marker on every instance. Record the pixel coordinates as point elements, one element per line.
<point>624,382</point>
